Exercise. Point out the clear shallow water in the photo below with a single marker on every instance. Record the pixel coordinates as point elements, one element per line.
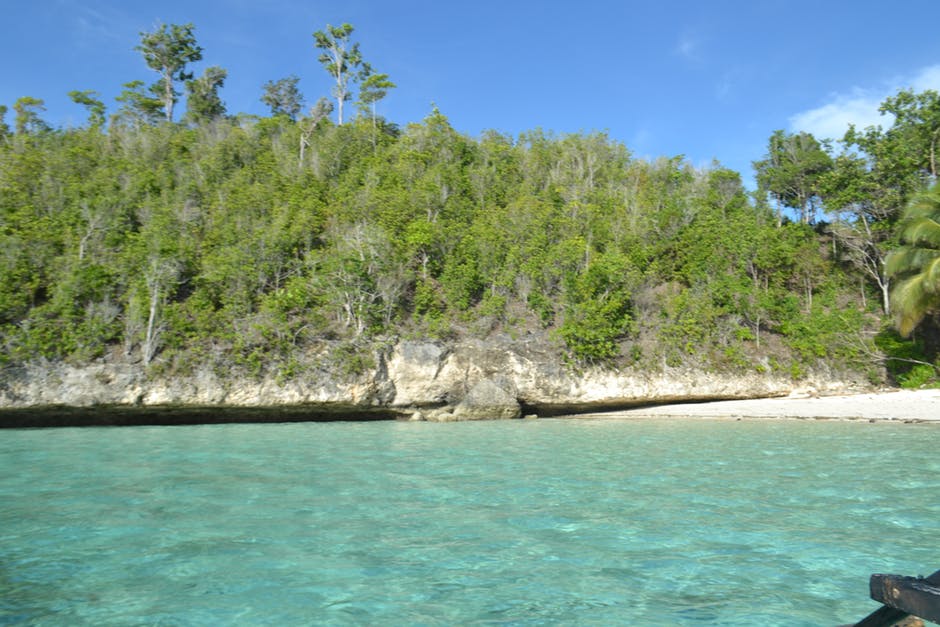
<point>570,522</point>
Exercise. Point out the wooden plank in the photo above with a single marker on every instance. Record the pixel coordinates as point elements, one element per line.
<point>882,617</point>
<point>912,595</point>
<point>887,616</point>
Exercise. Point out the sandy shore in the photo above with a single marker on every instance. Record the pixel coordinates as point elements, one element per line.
<point>902,405</point>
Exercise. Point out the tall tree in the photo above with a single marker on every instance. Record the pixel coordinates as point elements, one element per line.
<point>341,58</point>
<point>160,277</point>
<point>27,117</point>
<point>372,88</point>
<point>137,105</point>
<point>283,97</point>
<point>917,127</point>
<point>89,100</point>
<point>309,124</point>
<point>167,50</point>
<point>917,263</point>
<point>862,220</point>
<point>873,178</point>
<point>203,103</point>
<point>4,127</point>
<point>791,170</point>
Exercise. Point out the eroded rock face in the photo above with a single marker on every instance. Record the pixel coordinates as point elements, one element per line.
<point>46,383</point>
<point>488,399</point>
<point>413,369</point>
<point>468,380</point>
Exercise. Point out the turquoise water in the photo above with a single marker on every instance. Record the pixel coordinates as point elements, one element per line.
<point>552,522</point>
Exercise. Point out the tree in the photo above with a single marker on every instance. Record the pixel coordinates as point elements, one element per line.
<point>160,277</point>
<point>204,103</point>
<point>862,222</point>
<point>4,127</point>
<point>283,97</point>
<point>873,178</point>
<point>27,117</point>
<point>900,159</point>
<point>308,125</point>
<point>916,264</point>
<point>340,58</point>
<point>167,50</point>
<point>598,312</point>
<point>89,100</point>
<point>137,105</point>
<point>372,88</point>
<point>791,170</point>
<point>917,127</point>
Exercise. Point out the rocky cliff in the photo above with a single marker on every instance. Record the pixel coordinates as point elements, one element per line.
<point>467,380</point>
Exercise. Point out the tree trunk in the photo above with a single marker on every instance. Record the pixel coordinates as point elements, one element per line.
<point>168,95</point>
<point>150,339</point>
<point>373,128</point>
<point>933,153</point>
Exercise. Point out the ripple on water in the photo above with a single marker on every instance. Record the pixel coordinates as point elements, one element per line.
<point>529,522</point>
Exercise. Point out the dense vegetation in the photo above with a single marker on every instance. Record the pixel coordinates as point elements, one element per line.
<point>242,241</point>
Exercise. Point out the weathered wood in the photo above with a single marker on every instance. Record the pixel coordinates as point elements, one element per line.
<point>884,616</point>
<point>920,597</point>
<point>891,613</point>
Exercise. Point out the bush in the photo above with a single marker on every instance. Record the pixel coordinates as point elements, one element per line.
<point>907,360</point>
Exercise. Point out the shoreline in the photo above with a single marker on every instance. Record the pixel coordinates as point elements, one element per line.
<point>901,406</point>
<point>887,406</point>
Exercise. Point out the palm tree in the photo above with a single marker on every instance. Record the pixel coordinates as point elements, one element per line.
<point>916,264</point>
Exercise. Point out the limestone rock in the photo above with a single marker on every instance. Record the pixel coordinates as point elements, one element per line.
<point>412,370</point>
<point>470,379</point>
<point>489,399</point>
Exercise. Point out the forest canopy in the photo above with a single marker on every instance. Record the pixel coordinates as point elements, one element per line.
<point>243,241</point>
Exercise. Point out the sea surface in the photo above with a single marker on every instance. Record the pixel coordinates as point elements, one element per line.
<point>546,522</point>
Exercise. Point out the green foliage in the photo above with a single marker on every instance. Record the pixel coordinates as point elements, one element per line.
<point>372,88</point>
<point>792,170</point>
<point>4,127</point>
<point>95,107</point>
<point>283,97</point>
<point>167,50</point>
<point>340,58</point>
<point>920,376</point>
<point>916,265</point>
<point>598,312</point>
<point>348,358</point>
<point>27,118</point>
<point>461,282</point>
<point>822,332</point>
<point>252,242</point>
<point>687,320</point>
<point>137,105</point>
<point>204,104</point>
<point>915,133</point>
<point>592,328</point>
<point>909,361</point>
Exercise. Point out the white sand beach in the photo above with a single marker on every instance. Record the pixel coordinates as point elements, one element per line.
<point>900,405</point>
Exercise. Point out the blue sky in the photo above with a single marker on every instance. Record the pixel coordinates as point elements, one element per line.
<point>708,80</point>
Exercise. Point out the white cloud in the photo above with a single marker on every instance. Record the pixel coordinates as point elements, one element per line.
<point>831,120</point>
<point>725,85</point>
<point>928,78</point>
<point>860,106</point>
<point>91,27</point>
<point>686,47</point>
<point>689,47</point>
